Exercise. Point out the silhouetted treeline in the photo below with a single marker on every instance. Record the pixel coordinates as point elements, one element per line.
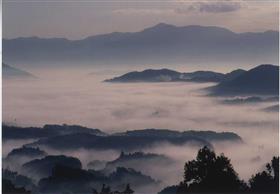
<point>210,173</point>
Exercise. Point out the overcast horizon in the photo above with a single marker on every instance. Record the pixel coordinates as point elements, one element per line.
<point>88,18</point>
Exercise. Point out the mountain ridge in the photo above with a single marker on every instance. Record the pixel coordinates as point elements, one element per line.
<point>168,75</point>
<point>161,24</point>
<point>157,44</point>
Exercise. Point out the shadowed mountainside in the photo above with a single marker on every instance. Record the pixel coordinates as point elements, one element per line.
<point>261,80</point>
<point>26,152</point>
<point>40,168</point>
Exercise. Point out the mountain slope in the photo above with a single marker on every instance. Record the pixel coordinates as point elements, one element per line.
<point>11,72</point>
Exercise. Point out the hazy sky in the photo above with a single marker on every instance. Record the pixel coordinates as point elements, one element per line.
<point>76,19</point>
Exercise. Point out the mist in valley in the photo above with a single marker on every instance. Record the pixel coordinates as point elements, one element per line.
<point>80,97</point>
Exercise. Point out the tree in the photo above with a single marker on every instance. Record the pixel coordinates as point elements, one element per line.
<point>128,190</point>
<point>267,180</point>
<point>210,173</point>
<point>105,190</point>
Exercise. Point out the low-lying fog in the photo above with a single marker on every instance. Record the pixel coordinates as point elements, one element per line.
<point>76,97</point>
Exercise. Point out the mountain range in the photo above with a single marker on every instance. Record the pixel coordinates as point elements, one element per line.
<point>159,44</point>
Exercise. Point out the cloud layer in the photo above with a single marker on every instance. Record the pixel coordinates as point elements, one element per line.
<point>212,7</point>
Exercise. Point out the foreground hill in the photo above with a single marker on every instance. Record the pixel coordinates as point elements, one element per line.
<point>261,80</point>
<point>64,179</point>
<point>15,73</point>
<point>159,44</point>
<point>18,180</point>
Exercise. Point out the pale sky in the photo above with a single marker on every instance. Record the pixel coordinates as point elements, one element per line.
<point>77,19</point>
